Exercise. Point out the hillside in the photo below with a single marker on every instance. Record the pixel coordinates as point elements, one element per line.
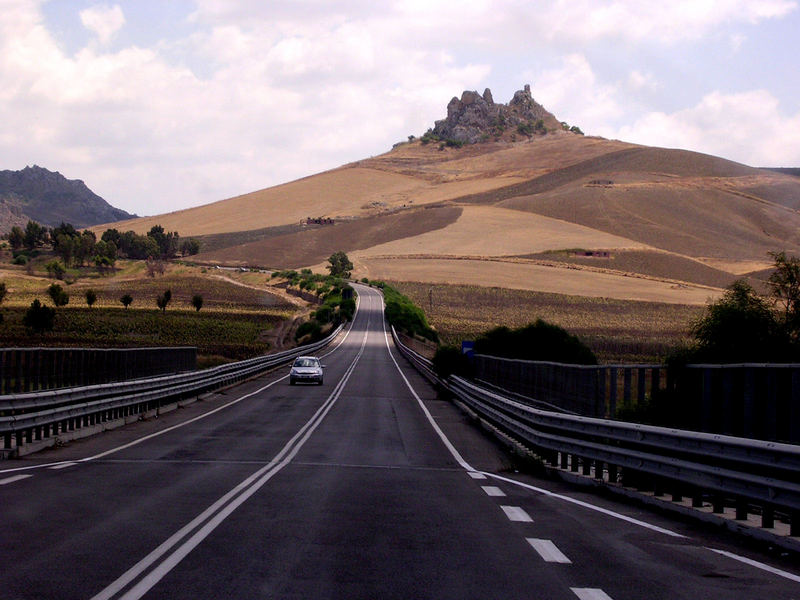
<point>49,198</point>
<point>517,209</point>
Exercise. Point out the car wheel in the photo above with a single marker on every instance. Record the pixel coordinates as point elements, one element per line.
<point>320,382</point>
<point>291,382</point>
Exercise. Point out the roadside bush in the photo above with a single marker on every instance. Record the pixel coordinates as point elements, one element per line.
<point>449,360</point>
<point>405,316</point>
<point>309,328</point>
<point>537,341</point>
<point>324,314</point>
<point>347,308</point>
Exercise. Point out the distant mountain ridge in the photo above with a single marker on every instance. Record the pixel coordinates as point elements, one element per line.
<point>49,198</point>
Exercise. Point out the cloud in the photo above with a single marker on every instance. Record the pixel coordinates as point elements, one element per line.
<point>104,21</point>
<point>747,127</point>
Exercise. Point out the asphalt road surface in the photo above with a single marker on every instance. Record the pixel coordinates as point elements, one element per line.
<point>366,487</point>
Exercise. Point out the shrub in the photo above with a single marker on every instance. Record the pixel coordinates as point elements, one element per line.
<point>312,328</point>
<point>20,259</point>
<point>126,300</point>
<point>163,300</point>
<point>449,360</point>
<point>537,341</point>
<point>324,314</point>
<point>347,308</point>
<point>405,316</point>
<point>55,269</point>
<point>197,302</point>
<point>39,318</point>
<point>58,295</point>
<point>91,297</point>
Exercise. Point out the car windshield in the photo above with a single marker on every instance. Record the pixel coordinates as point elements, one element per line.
<point>305,362</point>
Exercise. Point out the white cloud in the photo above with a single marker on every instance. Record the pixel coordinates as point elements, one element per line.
<point>104,21</point>
<point>260,93</point>
<point>747,127</point>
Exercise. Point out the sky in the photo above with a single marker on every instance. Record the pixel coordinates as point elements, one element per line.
<point>159,105</point>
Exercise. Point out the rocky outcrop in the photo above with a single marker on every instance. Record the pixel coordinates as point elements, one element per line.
<point>49,198</point>
<point>476,118</point>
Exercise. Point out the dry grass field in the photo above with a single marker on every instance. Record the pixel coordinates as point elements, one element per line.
<point>521,274</point>
<point>666,230</point>
<point>617,331</point>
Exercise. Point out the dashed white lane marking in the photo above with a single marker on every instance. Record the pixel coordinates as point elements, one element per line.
<point>476,475</point>
<point>62,466</point>
<point>515,513</point>
<point>8,480</point>
<point>590,594</point>
<point>757,565</point>
<point>548,551</point>
<point>492,490</point>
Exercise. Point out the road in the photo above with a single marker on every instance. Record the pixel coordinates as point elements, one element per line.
<point>366,487</point>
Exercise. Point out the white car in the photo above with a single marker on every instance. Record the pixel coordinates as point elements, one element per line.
<point>306,369</point>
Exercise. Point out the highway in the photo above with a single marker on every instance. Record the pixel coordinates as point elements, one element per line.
<point>369,486</point>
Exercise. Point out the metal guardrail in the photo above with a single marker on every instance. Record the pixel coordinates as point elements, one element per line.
<point>36,416</point>
<point>756,475</point>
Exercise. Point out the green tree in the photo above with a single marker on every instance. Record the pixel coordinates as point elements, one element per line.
<point>58,295</point>
<point>91,297</point>
<point>739,327</point>
<point>16,237</point>
<point>126,300</point>
<point>340,265</point>
<point>163,300</point>
<point>785,285</point>
<point>190,247</point>
<point>197,302</point>
<point>35,235</point>
<point>55,269</point>
<point>3,292</point>
<point>39,318</point>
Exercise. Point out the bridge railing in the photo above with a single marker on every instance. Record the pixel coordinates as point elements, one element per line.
<point>41,416</point>
<point>755,476</point>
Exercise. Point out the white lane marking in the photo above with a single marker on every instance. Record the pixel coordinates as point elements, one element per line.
<point>455,454</point>
<point>168,429</point>
<point>466,465</point>
<point>515,513</point>
<point>590,594</point>
<point>548,551</point>
<point>63,465</point>
<point>599,509</point>
<point>476,475</point>
<point>8,480</point>
<point>492,490</point>
<point>222,507</point>
<point>757,565</point>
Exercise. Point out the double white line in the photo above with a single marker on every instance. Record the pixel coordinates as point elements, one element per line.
<point>173,550</point>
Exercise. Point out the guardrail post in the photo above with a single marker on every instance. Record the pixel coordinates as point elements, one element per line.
<point>586,464</point>
<point>612,389</point>
<point>613,473</point>
<point>564,461</point>
<point>794,529</point>
<point>641,385</point>
<point>626,387</point>
<point>741,510</point>
<point>767,517</point>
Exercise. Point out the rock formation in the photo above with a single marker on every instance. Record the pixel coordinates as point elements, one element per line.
<point>476,118</point>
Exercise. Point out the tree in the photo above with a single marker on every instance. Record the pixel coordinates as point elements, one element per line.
<point>16,237</point>
<point>57,293</point>
<point>126,300</point>
<point>91,297</point>
<point>340,265</point>
<point>3,292</point>
<point>39,318</point>
<point>739,327</point>
<point>190,247</point>
<point>197,302</point>
<point>35,235</point>
<point>785,284</point>
<point>55,269</point>
<point>154,266</point>
<point>163,300</point>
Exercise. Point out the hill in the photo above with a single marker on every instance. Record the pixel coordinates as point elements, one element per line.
<point>49,198</point>
<point>532,205</point>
